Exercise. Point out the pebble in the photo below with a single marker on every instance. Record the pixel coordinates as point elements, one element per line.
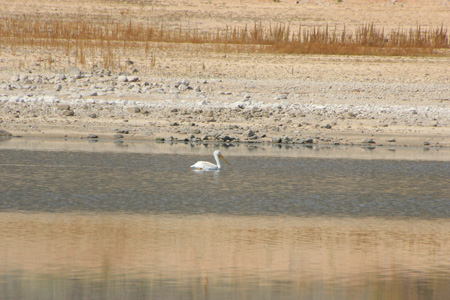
<point>40,90</point>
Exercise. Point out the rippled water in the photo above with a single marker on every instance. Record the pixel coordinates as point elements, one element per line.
<point>131,225</point>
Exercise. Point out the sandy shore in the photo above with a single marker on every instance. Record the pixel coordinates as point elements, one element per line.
<point>235,97</point>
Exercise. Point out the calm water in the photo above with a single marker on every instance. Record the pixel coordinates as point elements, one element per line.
<point>128,225</point>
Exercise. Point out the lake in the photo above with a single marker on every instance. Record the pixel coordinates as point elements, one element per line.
<point>104,220</point>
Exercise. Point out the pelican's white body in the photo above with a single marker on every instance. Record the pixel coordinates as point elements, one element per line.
<point>207,166</point>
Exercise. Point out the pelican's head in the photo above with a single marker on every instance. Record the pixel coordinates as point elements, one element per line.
<point>219,155</point>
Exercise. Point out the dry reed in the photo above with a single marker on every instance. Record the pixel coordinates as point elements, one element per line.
<point>102,38</point>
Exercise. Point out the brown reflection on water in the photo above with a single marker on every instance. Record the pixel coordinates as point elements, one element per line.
<point>354,257</point>
<point>313,151</point>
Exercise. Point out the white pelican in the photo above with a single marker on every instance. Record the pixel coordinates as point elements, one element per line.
<point>207,166</point>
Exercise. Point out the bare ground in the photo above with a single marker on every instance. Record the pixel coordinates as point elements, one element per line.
<point>202,93</point>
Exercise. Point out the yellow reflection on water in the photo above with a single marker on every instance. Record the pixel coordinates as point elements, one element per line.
<point>371,255</point>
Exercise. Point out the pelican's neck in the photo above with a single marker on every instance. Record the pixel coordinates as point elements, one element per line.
<point>219,166</point>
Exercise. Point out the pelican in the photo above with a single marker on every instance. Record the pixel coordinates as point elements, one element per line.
<point>207,166</point>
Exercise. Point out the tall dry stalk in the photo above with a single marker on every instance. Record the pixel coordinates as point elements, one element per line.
<point>83,38</point>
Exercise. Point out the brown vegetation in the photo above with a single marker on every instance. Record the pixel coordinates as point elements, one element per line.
<point>100,39</point>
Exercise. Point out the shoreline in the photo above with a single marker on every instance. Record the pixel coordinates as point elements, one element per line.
<point>285,111</point>
<point>315,151</point>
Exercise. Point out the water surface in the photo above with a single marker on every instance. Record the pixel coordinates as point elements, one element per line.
<point>130,225</point>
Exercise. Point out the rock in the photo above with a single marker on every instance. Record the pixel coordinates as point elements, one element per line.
<point>15,78</point>
<point>240,105</point>
<point>183,81</point>
<point>64,106</point>
<point>368,141</point>
<point>75,73</point>
<point>93,116</point>
<point>249,133</point>
<point>160,139</point>
<point>4,133</point>
<point>60,77</point>
<point>92,136</point>
<point>129,62</point>
<point>281,97</point>
<point>277,139</point>
<point>68,113</point>
<point>58,88</point>
<point>182,87</point>
<point>175,124</point>
<point>351,115</point>
<point>227,139</point>
<point>90,94</point>
<point>134,110</point>
<point>305,141</point>
<point>426,143</point>
<point>124,131</point>
<point>286,140</point>
<point>391,140</point>
<point>132,78</point>
<point>122,78</point>
<point>118,136</point>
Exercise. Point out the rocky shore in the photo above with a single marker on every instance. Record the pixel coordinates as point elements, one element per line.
<point>101,104</point>
<point>225,93</point>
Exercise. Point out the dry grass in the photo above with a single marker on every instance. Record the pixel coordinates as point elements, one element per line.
<point>101,40</point>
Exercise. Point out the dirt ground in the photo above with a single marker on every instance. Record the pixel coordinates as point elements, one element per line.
<point>178,91</point>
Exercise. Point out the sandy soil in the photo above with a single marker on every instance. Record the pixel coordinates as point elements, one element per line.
<point>180,92</point>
